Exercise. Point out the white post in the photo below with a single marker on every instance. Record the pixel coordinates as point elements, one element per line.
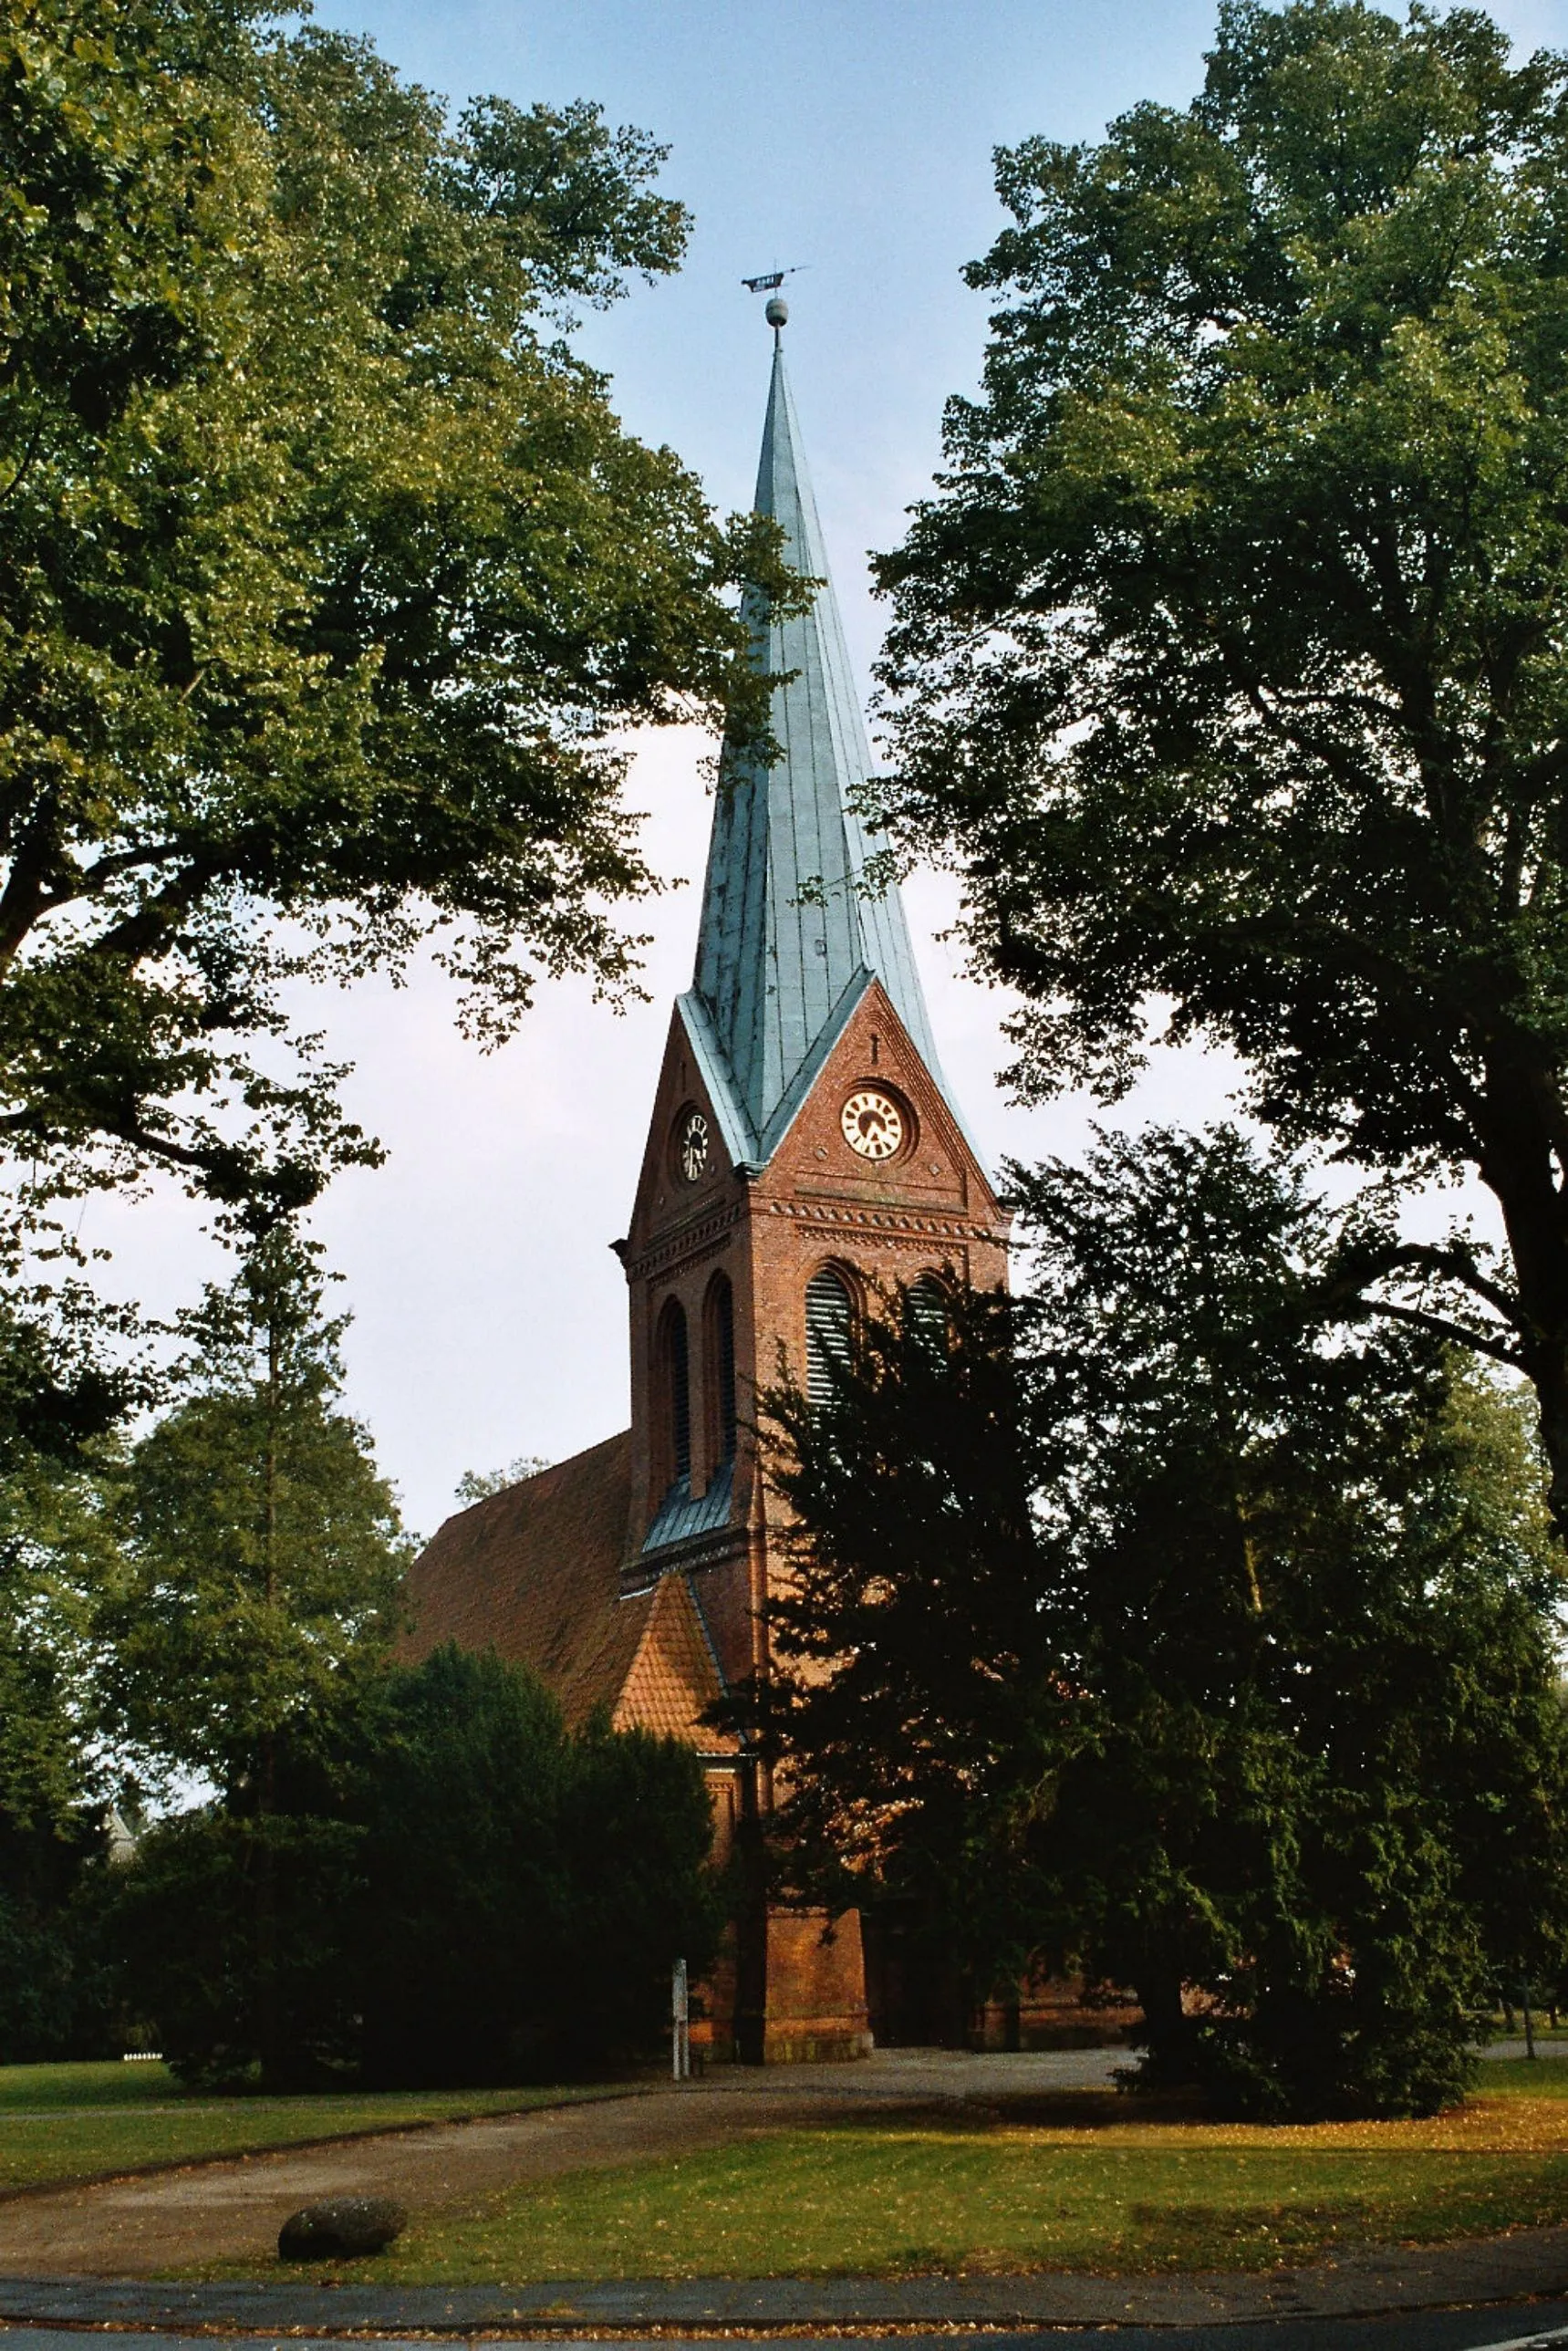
<point>679,2023</point>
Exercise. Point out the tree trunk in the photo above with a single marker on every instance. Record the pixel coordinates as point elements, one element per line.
<point>1549,1376</point>
<point>269,2002</point>
<point>269,2015</point>
<point>1167,2029</point>
<point>1517,1164</point>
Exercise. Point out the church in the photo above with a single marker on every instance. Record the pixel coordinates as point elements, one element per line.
<point>803,1149</point>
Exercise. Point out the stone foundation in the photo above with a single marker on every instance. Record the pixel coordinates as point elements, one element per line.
<point>790,1991</point>
<point>816,2008</point>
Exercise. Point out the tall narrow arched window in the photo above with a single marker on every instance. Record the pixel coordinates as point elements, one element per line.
<point>926,1314</point>
<point>673,1359</point>
<point>718,1370</point>
<point>829,1320</point>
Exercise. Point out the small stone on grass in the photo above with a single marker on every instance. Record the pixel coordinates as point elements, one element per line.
<point>341,2225</point>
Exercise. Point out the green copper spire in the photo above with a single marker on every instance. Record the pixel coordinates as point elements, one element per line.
<point>791,937</point>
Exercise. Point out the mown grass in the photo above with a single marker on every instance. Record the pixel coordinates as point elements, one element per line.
<point>1086,2183</point>
<point>1523,2078</point>
<point>60,2124</point>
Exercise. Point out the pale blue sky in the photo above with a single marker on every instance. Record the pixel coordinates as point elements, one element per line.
<point>853,136</point>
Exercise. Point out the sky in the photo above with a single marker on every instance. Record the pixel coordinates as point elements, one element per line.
<point>853,139</point>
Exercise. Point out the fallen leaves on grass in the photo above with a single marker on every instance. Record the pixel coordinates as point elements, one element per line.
<point>940,2196</point>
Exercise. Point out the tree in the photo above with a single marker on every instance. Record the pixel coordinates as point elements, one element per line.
<point>54,1790</point>
<point>571,1868</point>
<point>1228,658</point>
<point>261,1552</point>
<point>478,1485</point>
<point>1171,1626</point>
<point>230,2007</point>
<point>260,1561</point>
<point>474,1894</point>
<point>333,583</point>
<point>57,1400</point>
<point>907,1696</point>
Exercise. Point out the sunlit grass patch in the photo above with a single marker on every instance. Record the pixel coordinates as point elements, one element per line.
<point>1116,2190</point>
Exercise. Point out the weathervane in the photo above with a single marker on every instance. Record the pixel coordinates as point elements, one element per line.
<point>777,310</point>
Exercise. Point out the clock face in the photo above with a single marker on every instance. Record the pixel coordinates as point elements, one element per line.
<point>691,1151</point>
<point>872,1124</point>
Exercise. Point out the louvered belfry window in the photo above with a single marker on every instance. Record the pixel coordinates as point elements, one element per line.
<point>675,1356</point>
<point>926,1314</point>
<point>829,1320</point>
<point>721,1367</point>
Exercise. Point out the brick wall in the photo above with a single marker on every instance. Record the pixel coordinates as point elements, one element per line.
<point>929,1208</point>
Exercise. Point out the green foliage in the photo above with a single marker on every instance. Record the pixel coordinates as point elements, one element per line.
<point>1230,652</point>
<point>259,1553</point>
<point>907,1643</point>
<point>478,1485</point>
<point>1174,1627</point>
<point>227,1936</point>
<point>572,1867</point>
<point>56,1399</point>
<point>56,1990</point>
<point>464,1893</point>
<point>247,1588</point>
<point>571,198</point>
<point>331,582</point>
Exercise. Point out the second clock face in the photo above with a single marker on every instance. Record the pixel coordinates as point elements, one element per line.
<point>692,1149</point>
<point>872,1123</point>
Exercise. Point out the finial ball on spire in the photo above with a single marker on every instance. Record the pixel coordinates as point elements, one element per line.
<point>778,311</point>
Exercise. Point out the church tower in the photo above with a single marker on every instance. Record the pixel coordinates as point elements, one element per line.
<point>803,1149</point>
<point>803,1152</point>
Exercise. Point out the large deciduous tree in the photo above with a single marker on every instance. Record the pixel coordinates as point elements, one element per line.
<point>330,581</point>
<point>1168,1627</point>
<point>1229,656</point>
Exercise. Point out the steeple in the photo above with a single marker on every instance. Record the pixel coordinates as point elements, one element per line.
<point>791,934</point>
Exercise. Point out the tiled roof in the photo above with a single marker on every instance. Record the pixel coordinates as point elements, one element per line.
<point>674,1674</point>
<point>534,1572</point>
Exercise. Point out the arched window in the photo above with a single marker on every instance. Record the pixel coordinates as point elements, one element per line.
<point>830,1322</point>
<point>718,1383</point>
<point>673,1359</point>
<point>926,1314</point>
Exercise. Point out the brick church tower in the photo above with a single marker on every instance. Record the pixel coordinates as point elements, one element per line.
<point>803,1149</point>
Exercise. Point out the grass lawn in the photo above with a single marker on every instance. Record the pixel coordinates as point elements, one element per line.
<point>1086,2183</point>
<point>64,2123</point>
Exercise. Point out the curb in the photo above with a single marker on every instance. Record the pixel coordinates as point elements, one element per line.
<point>1529,2264</point>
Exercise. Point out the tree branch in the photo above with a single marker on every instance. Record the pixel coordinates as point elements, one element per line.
<point>1450,1263</point>
<point>1459,1334</point>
